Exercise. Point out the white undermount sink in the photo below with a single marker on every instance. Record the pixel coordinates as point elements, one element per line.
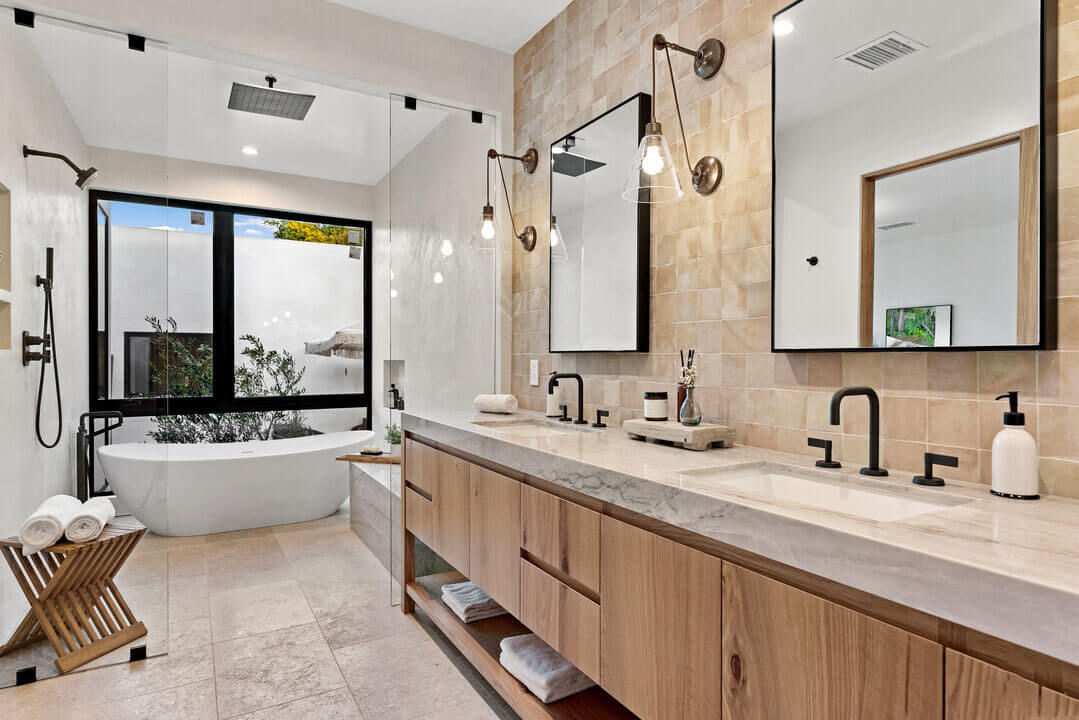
<point>529,427</point>
<point>799,487</point>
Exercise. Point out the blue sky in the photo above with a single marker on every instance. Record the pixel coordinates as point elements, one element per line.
<point>159,217</point>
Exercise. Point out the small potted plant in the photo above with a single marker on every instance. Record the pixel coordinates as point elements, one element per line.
<point>393,437</point>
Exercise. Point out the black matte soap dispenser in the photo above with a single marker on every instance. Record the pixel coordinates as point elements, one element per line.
<point>1015,455</point>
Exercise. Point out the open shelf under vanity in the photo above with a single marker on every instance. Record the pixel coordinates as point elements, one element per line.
<point>479,643</point>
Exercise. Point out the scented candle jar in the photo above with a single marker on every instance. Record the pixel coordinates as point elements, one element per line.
<point>655,406</point>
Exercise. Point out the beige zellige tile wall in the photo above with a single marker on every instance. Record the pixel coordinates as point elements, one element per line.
<point>711,258</point>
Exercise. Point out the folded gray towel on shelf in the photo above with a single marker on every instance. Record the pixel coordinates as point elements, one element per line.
<point>540,668</point>
<point>469,602</point>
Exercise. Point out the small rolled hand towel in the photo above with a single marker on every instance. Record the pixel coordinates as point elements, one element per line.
<point>91,519</point>
<point>47,524</point>
<point>495,403</point>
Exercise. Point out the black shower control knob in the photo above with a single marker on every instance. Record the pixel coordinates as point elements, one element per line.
<point>813,260</point>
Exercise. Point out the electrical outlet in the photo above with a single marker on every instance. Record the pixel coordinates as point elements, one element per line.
<point>533,373</point>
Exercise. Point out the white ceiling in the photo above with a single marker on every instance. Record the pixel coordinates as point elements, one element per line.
<point>810,81</point>
<point>504,25</point>
<point>972,191</point>
<point>174,105</point>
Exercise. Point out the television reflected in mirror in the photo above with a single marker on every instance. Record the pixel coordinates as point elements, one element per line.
<point>908,150</point>
<point>599,242</point>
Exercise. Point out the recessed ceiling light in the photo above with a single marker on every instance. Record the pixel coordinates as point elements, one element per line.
<point>249,150</point>
<point>782,27</point>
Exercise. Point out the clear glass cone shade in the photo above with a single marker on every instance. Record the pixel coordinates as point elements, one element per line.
<point>487,237</point>
<point>558,244</point>
<point>652,178</point>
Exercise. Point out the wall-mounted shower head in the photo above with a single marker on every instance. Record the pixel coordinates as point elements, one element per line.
<point>83,177</point>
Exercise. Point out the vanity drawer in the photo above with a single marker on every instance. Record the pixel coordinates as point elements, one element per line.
<point>561,534</point>
<point>419,516</point>
<point>564,618</point>
<point>421,466</point>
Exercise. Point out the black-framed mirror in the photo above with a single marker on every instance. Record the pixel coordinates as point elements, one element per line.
<point>909,175</point>
<point>599,288</point>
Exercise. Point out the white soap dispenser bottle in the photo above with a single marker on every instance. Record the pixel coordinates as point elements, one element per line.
<point>1015,455</point>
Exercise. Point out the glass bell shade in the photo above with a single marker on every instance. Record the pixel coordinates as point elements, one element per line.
<point>652,177</point>
<point>488,236</point>
<point>558,243</point>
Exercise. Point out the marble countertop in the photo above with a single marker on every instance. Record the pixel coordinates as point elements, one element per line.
<point>1007,568</point>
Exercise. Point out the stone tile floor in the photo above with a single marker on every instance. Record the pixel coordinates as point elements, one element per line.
<point>293,622</point>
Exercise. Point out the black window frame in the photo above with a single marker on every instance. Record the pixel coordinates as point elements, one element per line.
<point>224,399</point>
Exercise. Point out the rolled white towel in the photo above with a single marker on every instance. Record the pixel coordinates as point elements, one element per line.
<point>91,519</point>
<point>504,404</point>
<point>545,673</point>
<point>47,524</point>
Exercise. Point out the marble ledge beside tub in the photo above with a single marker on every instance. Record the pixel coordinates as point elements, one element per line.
<point>1006,568</point>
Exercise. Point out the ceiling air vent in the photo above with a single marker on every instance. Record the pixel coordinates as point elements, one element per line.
<point>895,226</point>
<point>882,51</point>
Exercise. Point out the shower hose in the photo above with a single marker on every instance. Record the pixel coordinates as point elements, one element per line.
<point>49,331</point>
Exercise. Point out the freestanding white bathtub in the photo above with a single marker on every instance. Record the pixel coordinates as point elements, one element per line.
<point>216,487</point>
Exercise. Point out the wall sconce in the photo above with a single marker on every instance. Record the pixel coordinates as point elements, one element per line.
<point>486,236</point>
<point>652,178</point>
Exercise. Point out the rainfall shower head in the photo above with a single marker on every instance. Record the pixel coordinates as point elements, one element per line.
<point>83,177</point>
<point>267,101</point>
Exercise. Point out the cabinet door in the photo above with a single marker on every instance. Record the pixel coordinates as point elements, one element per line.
<point>495,529</point>
<point>659,624</point>
<point>1057,705</point>
<point>792,655</point>
<point>442,480</point>
<point>976,690</point>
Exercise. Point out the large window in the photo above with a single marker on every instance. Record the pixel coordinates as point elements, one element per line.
<point>205,308</point>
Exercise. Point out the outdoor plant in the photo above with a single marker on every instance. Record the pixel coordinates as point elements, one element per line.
<point>393,434</point>
<point>185,369</point>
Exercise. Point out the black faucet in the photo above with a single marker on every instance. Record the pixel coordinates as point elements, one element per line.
<point>553,383</point>
<point>874,469</point>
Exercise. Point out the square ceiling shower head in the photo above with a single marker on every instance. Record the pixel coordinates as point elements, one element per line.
<point>267,101</point>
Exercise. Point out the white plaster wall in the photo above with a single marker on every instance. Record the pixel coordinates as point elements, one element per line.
<point>190,180</point>
<point>819,169</point>
<point>46,209</point>
<point>972,270</point>
<point>445,333</point>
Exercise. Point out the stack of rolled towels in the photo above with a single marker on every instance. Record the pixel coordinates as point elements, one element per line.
<point>503,404</point>
<point>65,516</point>
<point>469,602</point>
<point>545,673</point>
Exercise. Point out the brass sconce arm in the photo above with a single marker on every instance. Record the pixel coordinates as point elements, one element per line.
<point>707,60</point>
<point>530,160</point>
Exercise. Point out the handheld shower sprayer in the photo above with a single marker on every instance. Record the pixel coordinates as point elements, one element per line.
<point>47,341</point>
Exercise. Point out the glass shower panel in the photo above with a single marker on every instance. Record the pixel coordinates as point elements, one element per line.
<point>439,298</point>
<point>83,93</point>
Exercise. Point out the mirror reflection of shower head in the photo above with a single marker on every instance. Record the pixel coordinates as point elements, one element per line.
<point>83,177</point>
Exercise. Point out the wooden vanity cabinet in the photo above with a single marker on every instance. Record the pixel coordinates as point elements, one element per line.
<point>788,655</point>
<point>1057,705</point>
<point>494,528</point>
<point>436,501</point>
<point>660,625</point>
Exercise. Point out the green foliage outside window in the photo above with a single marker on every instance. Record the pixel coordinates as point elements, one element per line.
<point>187,371</point>
<point>310,232</point>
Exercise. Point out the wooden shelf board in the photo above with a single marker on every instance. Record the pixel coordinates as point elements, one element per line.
<point>479,643</point>
<point>384,459</point>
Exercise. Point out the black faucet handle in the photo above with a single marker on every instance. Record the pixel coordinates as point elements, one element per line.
<point>565,413</point>
<point>932,459</point>
<point>827,462</point>
<point>600,414</point>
